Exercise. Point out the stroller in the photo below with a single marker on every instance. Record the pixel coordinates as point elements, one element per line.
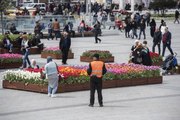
<point>170,64</point>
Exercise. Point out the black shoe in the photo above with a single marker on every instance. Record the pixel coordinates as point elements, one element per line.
<point>101,105</point>
<point>90,105</point>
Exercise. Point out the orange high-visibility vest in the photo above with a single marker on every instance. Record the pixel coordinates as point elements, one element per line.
<point>97,67</point>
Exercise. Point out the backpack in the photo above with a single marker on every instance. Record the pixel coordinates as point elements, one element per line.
<point>50,26</point>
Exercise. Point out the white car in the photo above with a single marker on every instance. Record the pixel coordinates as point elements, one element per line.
<point>34,5</point>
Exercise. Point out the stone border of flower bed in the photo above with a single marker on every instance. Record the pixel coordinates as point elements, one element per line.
<point>57,56</point>
<point>10,65</point>
<point>83,86</point>
<point>33,50</point>
<point>87,59</point>
<point>160,63</point>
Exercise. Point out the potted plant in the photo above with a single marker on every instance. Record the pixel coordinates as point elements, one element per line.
<point>104,55</point>
<point>55,53</point>
<point>10,60</point>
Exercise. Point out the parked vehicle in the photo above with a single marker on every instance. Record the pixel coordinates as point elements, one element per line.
<point>42,6</point>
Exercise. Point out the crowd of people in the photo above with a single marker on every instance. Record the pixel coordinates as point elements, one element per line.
<point>140,52</point>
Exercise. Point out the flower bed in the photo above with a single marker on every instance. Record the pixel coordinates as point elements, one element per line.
<point>10,60</point>
<point>55,53</point>
<point>156,59</point>
<point>105,56</point>
<point>75,78</point>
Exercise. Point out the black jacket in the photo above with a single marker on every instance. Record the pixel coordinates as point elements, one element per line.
<point>157,37</point>
<point>146,58</point>
<point>65,43</point>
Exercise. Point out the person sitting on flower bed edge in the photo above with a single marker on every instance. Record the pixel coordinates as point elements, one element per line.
<point>7,42</point>
<point>141,54</point>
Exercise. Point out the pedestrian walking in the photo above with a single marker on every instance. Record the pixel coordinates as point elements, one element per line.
<point>50,30</point>
<point>96,71</point>
<point>176,16</point>
<point>69,29</point>
<point>134,29</point>
<point>37,28</point>
<point>157,40</point>
<point>166,39</point>
<point>25,47</point>
<point>162,26</point>
<point>56,29</point>
<point>142,29</point>
<point>82,27</point>
<point>64,46</point>
<point>51,71</point>
<point>152,27</point>
<point>97,31</point>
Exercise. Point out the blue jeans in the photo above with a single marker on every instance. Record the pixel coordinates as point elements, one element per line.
<point>50,31</point>
<point>9,47</point>
<point>52,90</point>
<point>26,54</point>
<point>142,30</point>
<point>57,34</point>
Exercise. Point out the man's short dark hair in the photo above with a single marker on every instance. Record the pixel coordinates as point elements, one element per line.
<point>144,42</point>
<point>96,56</point>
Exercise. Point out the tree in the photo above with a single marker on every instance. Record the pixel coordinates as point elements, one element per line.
<point>162,5</point>
<point>4,4</point>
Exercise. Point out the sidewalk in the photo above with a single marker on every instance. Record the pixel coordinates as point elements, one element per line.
<point>149,102</point>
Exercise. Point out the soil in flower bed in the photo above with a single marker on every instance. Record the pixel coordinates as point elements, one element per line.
<point>87,59</point>
<point>10,65</point>
<point>84,86</point>
<point>57,56</point>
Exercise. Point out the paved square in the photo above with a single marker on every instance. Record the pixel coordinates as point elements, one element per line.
<point>150,102</point>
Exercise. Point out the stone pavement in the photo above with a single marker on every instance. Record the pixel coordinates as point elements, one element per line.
<point>150,102</point>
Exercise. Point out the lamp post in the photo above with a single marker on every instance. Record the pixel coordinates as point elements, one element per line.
<point>132,5</point>
<point>121,4</point>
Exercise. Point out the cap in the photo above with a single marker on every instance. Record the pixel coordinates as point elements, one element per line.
<point>49,59</point>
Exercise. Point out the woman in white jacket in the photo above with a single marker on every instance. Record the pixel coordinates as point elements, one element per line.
<point>52,76</point>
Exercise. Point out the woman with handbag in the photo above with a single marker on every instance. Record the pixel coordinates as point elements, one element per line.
<point>25,47</point>
<point>52,75</point>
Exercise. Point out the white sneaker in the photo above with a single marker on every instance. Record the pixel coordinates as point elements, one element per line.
<point>49,95</point>
<point>53,96</point>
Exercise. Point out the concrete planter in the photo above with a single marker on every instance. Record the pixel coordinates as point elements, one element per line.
<point>33,50</point>
<point>57,56</point>
<point>123,83</point>
<point>109,84</point>
<point>81,86</point>
<point>139,81</point>
<point>87,59</point>
<point>22,86</point>
<point>155,80</point>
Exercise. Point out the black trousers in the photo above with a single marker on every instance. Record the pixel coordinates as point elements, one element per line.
<point>96,84</point>
<point>96,38</point>
<point>64,55</point>
<point>159,47</point>
<point>164,48</point>
<point>176,19</point>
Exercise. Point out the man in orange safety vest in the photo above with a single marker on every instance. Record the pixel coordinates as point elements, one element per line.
<point>96,71</point>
